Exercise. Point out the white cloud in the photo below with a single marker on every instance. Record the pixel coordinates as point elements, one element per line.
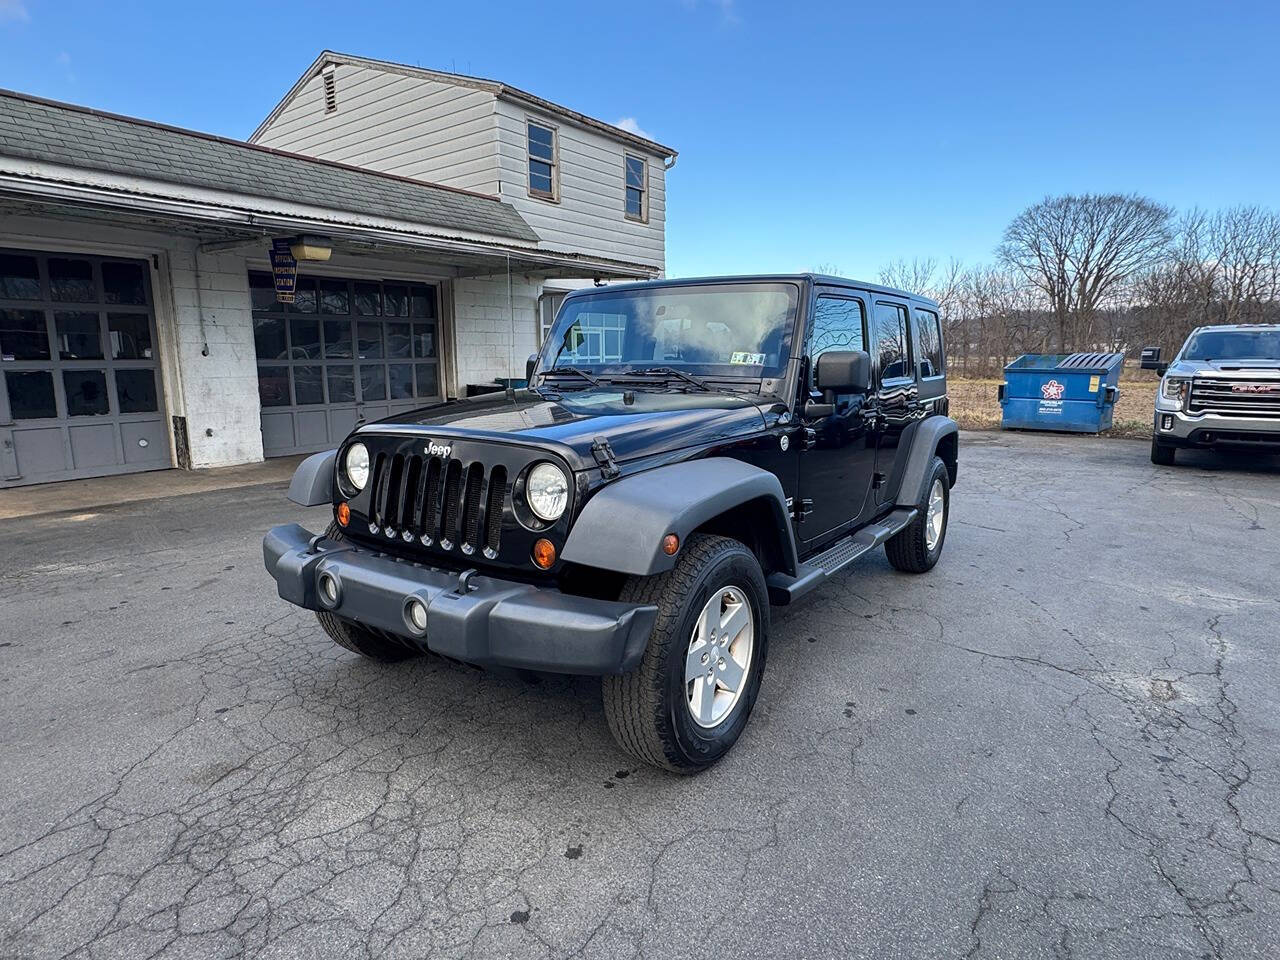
<point>14,10</point>
<point>630,125</point>
<point>728,8</point>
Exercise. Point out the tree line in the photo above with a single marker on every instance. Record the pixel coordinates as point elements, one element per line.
<point>1104,272</point>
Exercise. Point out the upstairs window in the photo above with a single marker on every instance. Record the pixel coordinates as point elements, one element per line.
<point>542,161</point>
<point>637,180</point>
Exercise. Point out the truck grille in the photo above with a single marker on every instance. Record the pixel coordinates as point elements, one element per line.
<point>1235,398</point>
<point>437,502</point>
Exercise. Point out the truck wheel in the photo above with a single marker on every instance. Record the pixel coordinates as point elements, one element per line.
<point>1162,454</point>
<point>689,700</point>
<point>916,547</point>
<point>351,635</point>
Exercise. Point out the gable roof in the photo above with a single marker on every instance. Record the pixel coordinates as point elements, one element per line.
<point>502,90</point>
<point>48,131</point>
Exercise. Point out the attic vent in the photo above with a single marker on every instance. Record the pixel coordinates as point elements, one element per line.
<point>330,92</point>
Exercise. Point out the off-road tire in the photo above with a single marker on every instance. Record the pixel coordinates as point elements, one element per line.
<point>647,709</point>
<point>356,638</point>
<point>908,549</point>
<point>1162,454</point>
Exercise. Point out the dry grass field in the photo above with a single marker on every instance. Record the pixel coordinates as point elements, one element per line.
<point>975,407</point>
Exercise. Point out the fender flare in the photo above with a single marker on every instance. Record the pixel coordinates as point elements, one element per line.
<point>924,446</point>
<point>312,483</point>
<point>622,526</point>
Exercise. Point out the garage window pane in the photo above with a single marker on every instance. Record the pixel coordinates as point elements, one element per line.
<point>273,386</point>
<point>123,283</point>
<point>31,395</point>
<point>304,335</point>
<point>424,340</point>
<point>368,300</point>
<point>337,339</point>
<point>373,382</point>
<point>19,278</point>
<point>342,385</point>
<point>427,386</point>
<point>78,337</point>
<point>422,302</point>
<point>333,297</point>
<point>268,338</point>
<point>136,391</point>
<point>23,335</point>
<point>71,280</point>
<point>263,291</point>
<point>401,377</point>
<point>86,393</point>
<point>130,336</point>
<point>308,385</point>
<point>395,300</point>
<point>304,297</point>
<point>369,340</point>
<point>397,339</point>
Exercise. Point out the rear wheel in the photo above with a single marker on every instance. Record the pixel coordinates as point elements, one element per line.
<point>357,638</point>
<point>917,547</point>
<point>687,703</point>
<point>1162,453</point>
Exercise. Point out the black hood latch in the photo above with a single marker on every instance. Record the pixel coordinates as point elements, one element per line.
<point>603,453</point>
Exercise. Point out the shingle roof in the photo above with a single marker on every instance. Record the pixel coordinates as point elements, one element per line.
<point>35,129</point>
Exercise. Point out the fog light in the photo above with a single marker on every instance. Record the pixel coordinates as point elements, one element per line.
<point>344,514</point>
<point>1166,422</point>
<point>329,589</point>
<point>418,615</point>
<point>544,554</point>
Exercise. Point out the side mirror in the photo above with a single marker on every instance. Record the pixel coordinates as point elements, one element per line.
<point>1150,360</point>
<point>529,366</point>
<point>843,371</point>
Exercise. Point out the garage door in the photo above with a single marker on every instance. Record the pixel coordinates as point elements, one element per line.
<point>81,394</point>
<point>345,350</point>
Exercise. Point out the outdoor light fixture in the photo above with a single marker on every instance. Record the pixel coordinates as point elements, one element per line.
<point>311,247</point>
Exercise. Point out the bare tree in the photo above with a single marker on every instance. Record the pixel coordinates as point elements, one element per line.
<point>1079,251</point>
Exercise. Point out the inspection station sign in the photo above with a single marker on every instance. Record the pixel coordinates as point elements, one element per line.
<point>284,270</point>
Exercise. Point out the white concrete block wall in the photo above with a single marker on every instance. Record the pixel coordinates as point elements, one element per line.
<point>483,323</point>
<point>220,389</point>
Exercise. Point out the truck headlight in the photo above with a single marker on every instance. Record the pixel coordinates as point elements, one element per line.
<point>356,465</point>
<point>1174,388</point>
<point>547,491</point>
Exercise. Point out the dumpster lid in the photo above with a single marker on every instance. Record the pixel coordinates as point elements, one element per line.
<point>1067,361</point>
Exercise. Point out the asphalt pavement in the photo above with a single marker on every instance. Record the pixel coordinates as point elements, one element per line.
<point>1062,742</point>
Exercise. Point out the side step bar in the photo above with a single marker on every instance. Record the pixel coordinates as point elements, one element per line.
<point>813,572</point>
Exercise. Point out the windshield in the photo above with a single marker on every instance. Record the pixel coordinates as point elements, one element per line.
<point>731,330</point>
<point>1233,345</point>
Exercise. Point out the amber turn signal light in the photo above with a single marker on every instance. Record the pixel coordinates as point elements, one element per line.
<point>544,554</point>
<point>670,544</point>
<point>344,514</point>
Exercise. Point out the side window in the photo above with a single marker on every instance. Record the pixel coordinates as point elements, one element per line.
<point>929,344</point>
<point>838,324</point>
<point>891,341</point>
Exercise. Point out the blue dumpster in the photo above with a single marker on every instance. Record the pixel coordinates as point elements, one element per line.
<point>1052,391</point>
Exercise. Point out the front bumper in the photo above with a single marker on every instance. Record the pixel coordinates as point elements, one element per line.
<point>1177,428</point>
<point>472,618</point>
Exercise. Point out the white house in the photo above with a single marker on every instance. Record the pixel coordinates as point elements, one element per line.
<point>139,327</point>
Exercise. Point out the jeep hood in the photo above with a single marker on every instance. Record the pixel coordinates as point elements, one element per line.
<point>570,422</point>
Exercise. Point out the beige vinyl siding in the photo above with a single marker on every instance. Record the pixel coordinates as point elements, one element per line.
<point>589,215</point>
<point>386,121</point>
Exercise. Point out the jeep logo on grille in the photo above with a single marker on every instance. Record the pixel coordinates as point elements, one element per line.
<point>1255,388</point>
<point>439,449</point>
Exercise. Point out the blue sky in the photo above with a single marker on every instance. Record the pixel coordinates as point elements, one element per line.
<point>809,134</point>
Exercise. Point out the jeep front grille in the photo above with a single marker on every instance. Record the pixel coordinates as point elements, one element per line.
<point>1235,398</point>
<point>438,502</point>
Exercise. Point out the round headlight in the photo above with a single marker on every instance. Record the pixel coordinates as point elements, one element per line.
<point>356,465</point>
<point>547,491</point>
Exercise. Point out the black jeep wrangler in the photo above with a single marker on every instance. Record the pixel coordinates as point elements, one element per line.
<point>687,454</point>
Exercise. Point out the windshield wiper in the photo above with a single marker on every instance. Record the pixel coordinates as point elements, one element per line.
<point>573,372</point>
<point>672,372</point>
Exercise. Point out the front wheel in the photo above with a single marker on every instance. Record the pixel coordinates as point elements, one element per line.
<point>917,547</point>
<point>1162,454</point>
<point>689,700</point>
